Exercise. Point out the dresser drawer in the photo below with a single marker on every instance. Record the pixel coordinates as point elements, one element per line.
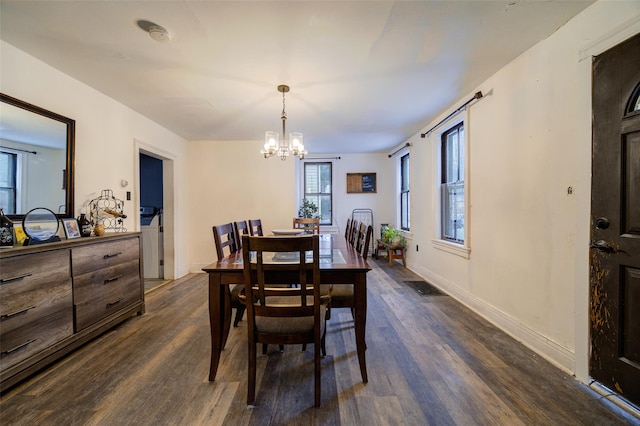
<point>36,308</point>
<point>99,256</point>
<point>100,293</point>
<point>26,338</point>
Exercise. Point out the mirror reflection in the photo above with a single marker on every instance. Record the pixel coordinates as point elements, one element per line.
<point>35,158</point>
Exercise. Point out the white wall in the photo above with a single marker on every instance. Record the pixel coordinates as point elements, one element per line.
<point>530,140</point>
<point>105,132</point>
<point>344,203</point>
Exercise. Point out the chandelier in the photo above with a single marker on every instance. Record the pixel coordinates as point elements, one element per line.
<point>272,144</point>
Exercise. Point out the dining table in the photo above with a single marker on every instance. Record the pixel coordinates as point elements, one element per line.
<point>340,263</point>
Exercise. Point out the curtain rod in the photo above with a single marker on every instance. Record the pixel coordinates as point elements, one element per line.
<point>399,149</point>
<point>321,158</point>
<point>18,149</point>
<point>478,95</point>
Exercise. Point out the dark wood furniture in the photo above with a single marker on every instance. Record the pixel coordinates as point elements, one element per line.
<point>255,227</point>
<point>353,234</point>
<point>394,251</point>
<point>353,270</point>
<point>226,241</point>
<point>57,296</point>
<point>278,314</point>
<point>347,230</point>
<point>241,228</point>
<point>308,224</point>
<point>342,295</point>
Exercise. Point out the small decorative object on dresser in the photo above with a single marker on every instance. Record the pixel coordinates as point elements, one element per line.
<point>6,231</point>
<point>85,225</point>
<point>41,226</point>
<point>98,230</point>
<point>71,228</point>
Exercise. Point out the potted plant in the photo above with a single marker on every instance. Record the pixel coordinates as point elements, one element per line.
<point>392,236</point>
<point>308,209</point>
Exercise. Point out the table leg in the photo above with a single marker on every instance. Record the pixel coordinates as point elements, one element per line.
<point>219,320</point>
<point>360,301</point>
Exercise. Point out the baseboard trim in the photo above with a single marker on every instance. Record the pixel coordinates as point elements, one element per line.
<point>560,356</point>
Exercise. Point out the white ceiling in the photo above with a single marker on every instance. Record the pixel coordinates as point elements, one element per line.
<point>364,75</point>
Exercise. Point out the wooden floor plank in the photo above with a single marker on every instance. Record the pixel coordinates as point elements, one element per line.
<point>430,361</point>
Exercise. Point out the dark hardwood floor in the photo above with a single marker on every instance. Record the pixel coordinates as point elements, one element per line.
<point>430,361</point>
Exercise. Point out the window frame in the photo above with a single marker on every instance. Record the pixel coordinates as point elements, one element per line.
<point>462,249</point>
<point>17,181</point>
<point>455,166</point>
<point>303,193</point>
<point>404,192</point>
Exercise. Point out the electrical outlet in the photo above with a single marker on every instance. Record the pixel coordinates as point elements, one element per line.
<point>128,195</point>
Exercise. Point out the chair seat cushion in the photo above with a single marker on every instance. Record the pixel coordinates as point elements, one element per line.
<point>342,294</point>
<point>235,291</point>
<point>280,325</point>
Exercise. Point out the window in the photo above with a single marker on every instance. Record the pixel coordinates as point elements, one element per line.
<point>404,193</point>
<point>318,188</point>
<point>8,181</point>
<point>452,184</point>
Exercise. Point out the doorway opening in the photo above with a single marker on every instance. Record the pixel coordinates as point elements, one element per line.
<point>155,202</point>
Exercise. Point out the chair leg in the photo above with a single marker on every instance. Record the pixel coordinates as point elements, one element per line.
<point>251,383</point>
<point>318,374</point>
<point>239,314</point>
<point>264,348</point>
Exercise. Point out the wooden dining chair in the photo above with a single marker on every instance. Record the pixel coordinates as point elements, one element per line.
<point>241,228</point>
<point>255,227</point>
<point>224,237</point>
<point>360,236</point>
<point>342,294</point>
<point>354,232</point>
<point>347,230</point>
<point>308,224</point>
<point>279,314</point>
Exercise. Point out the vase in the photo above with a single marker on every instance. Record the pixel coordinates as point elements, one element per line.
<point>6,231</point>
<point>99,230</point>
<point>85,225</point>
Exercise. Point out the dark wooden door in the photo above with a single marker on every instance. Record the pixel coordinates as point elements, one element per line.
<point>615,220</point>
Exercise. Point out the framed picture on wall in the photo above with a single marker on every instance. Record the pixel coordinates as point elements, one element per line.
<point>71,228</point>
<point>358,183</point>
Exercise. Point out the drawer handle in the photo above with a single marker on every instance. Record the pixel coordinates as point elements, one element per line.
<point>110,280</point>
<point>111,304</point>
<point>28,342</point>
<point>109,256</point>
<point>13,314</point>
<point>19,277</point>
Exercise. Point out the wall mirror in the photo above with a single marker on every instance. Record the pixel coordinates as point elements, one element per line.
<point>36,159</point>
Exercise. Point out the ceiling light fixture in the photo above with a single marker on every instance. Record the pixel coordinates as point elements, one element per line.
<point>156,32</point>
<point>272,145</point>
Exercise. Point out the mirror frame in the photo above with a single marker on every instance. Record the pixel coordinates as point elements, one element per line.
<point>71,138</point>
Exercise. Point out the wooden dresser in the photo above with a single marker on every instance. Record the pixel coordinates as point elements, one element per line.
<point>56,297</point>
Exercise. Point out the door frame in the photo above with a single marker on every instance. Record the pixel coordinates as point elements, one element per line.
<point>168,209</point>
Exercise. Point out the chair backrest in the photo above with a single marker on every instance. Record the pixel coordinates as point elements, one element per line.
<point>308,224</point>
<point>354,232</point>
<point>255,227</point>
<point>361,233</point>
<point>347,230</point>
<point>241,228</point>
<point>300,301</point>
<point>225,238</point>
<point>367,240</point>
